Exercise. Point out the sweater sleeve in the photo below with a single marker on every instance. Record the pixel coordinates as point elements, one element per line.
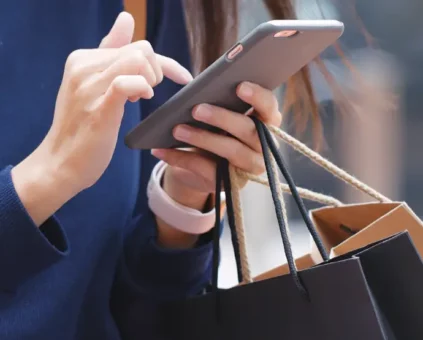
<point>25,250</point>
<point>149,275</point>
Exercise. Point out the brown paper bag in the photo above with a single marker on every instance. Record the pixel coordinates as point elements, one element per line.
<point>349,227</point>
<point>303,262</point>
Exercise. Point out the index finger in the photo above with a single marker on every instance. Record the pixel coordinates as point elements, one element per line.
<point>173,70</point>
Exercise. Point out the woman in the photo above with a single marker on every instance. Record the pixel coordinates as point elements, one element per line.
<point>84,254</point>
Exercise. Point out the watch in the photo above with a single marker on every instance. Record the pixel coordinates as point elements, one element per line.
<point>180,217</point>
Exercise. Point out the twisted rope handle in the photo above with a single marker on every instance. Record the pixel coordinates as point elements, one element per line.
<point>304,193</point>
<point>239,177</point>
<point>236,177</point>
<point>239,225</point>
<point>327,165</point>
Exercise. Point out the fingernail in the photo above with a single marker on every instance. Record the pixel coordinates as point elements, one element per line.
<point>159,153</point>
<point>150,93</point>
<point>246,90</point>
<point>203,112</point>
<point>182,133</point>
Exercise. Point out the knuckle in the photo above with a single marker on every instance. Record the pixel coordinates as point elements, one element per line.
<point>139,61</point>
<point>92,119</point>
<point>74,68</point>
<point>278,119</point>
<point>258,165</point>
<point>252,131</point>
<point>74,59</point>
<point>235,152</point>
<point>73,81</point>
<point>216,116</point>
<point>143,83</point>
<point>200,136</point>
<point>80,90</point>
<point>136,45</point>
<point>270,104</point>
<point>146,46</point>
<point>255,140</point>
<point>137,58</point>
<point>159,77</point>
<point>118,84</point>
<point>151,75</point>
<point>274,104</point>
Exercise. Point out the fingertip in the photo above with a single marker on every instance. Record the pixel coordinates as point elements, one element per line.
<point>244,83</point>
<point>174,70</point>
<point>158,153</point>
<point>245,90</point>
<point>182,132</point>
<point>195,110</point>
<point>188,76</point>
<point>124,15</point>
<point>150,93</point>
<point>185,77</point>
<point>121,33</point>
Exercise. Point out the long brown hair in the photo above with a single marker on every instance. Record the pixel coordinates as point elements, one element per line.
<point>214,24</point>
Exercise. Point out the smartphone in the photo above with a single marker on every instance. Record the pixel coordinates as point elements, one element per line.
<point>268,56</point>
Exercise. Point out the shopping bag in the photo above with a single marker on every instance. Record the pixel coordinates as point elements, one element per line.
<point>330,301</point>
<point>395,274</point>
<point>348,227</point>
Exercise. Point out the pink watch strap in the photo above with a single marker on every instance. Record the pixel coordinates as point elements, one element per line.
<point>178,216</point>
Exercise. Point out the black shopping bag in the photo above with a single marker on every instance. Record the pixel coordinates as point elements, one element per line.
<point>393,268</point>
<point>331,301</point>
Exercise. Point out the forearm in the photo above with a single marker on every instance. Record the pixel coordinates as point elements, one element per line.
<point>41,187</point>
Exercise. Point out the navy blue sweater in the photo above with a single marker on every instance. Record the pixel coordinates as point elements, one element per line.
<point>93,270</point>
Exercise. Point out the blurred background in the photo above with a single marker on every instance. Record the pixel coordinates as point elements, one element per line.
<point>378,139</point>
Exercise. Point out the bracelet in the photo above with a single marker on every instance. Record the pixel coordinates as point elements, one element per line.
<point>180,217</point>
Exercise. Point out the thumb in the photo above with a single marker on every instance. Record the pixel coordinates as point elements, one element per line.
<point>121,33</point>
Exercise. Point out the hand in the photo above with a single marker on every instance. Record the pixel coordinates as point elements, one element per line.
<point>89,108</point>
<point>191,175</point>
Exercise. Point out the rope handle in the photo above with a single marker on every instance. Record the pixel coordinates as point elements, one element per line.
<point>240,225</point>
<point>237,178</point>
<point>236,175</point>
<point>304,193</point>
<point>327,165</point>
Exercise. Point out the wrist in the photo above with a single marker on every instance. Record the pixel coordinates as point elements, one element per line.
<point>182,194</point>
<point>168,236</point>
<point>41,187</point>
<point>179,211</point>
